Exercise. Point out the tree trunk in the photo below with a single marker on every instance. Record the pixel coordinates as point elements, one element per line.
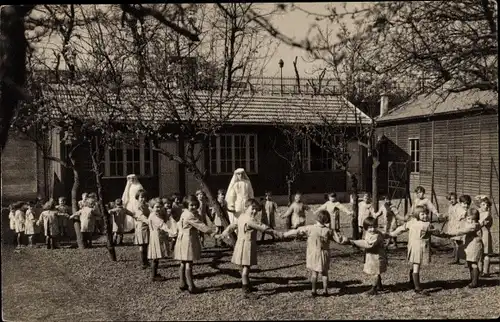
<point>288,223</point>
<point>218,209</point>
<point>354,221</point>
<point>74,206</point>
<point>107,220</point>
<point>374,182</point>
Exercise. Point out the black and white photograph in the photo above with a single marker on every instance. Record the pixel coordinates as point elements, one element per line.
<point>249,161</point>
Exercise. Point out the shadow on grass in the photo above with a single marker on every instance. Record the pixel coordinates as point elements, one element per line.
<point>304,286</point>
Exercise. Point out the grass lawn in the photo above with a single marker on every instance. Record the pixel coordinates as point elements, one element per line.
<point>72,284</point>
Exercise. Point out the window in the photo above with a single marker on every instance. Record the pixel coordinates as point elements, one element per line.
<point>415,155</point>
<point>317,159</point>
<point>231,151</point>
<point>122,159</point>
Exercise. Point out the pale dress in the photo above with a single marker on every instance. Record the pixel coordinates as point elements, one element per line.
<point>486,221</point>
<point>50,224</point>
<point>12,222</point>
<point>19,221</point>
<point>217,219</point>
<point>141,229</point>
<point>298,212</point>
<point>333,209</point>
<point>318,245</point>
<point>119,215</point>
<point>388,213</point>
<point>419,239</point>
<point>473,244</point>
<point>456,219</point>
<point>63,215</point>
<point>30,223</point>
<point>188,245</point>
<point>375,255</point>
<point>237,196</point>
<point>245,249</point>
<point>269,213</point>
<point>87,219</point>
<point>427,203</point>
<point>365,210</point>
<point>159,233</point>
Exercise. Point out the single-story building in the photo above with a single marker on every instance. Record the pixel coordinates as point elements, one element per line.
<point>248,139</point>
<point>447,144</point>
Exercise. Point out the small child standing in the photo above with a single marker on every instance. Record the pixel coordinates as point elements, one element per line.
<point>177,207</point>
<point>19,222</point>
<point>51,227</point>
<point>422,201</point>
<point>217,220</point>
<point>473,244</point>
<point>81,203</point>
<point>86,216</point>
<point>30,223</point>
<point>375,255</point>
<point>486,221</point>
<point>297,211</point>
<point>334,207</point>
<point>188,246</point>
<point>365,210</point>
<point>119,214</point>
<point>63,214</point>
<point>318,247</point>
<point>12,222</point>
<point>268,213</point>
<point>203,212</point>
<point>419,233</point>
<point>390,213</point>
<point>159,232</point>
<point>454,220</point>
<point>245,249</point>
<point>141,228</point>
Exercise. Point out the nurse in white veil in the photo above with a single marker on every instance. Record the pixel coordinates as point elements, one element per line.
<point>129,201</point>
<point>239,191</point>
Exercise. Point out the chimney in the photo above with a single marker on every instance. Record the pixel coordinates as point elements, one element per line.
<point>384,104</point>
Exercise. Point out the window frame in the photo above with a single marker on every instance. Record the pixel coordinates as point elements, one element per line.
<point>143,150</point>
<point>217,149</point>
<point>306,157</point>
<point>414,161</point>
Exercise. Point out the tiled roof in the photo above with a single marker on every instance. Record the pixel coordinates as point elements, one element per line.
<point>435,104</point>
<point>243,108</point>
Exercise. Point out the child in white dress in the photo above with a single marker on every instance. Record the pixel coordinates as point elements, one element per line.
<point>81,203</point>
<point>19,222</point>
<point>30,224</point>
<point>269,210</point>
<point>486,221</point>
<point>188,247</point>
<point>375,255</point>
<point>51,226</point>
<point>141,227</point>
<point>454,219</point>
<point>473,244</point>
<point>422,201</point>
<point>297,211</point>
<point>390,213</point>
<point>159,233</point>
<point>245,249</point>
<point>203,212</point>
<point>334,207</point>
<point>318,247</point>
<point>86,216</point>
<point>365,210</point>
<point>64,211</point>
<point>419,233</point>
<point>119,214</point>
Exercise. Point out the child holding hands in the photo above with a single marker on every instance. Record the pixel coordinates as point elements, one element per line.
<point>376,258</point>
<point>486,221</point>
<point>30,224</point>
<point>119,214</point>
<point>159,233</point>
<point>217,221</point>
<point>297,212</point>
<point>269,210</point>
<point>318,248</point>
<point>51,227</point>
<point>188,246</point>
<point>245,249</point>
<point>334,207</point>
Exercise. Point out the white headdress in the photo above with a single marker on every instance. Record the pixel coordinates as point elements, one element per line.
<point>130,182</point>
<point>234,179</point>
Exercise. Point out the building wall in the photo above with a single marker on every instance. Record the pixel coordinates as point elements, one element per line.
<point>19,170</point>
<point>464,151</point>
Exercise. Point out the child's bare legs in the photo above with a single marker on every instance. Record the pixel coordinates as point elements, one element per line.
<point>30,240</point>
<point>474,274</point>
<point>182,276</point>
<point>485,269</point>
<point>373,289</point>
<point>416,279</point>
<point>19,239</point>
<point>189,278</point>
<point>48,242</point>
<point>245,279</point>
<point>456,246</point>
<point>143,249</point>
<point>314,277</point>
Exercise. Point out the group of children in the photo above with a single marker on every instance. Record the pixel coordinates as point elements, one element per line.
<point>168,225</point>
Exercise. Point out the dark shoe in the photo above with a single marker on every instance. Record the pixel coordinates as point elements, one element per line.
<point>145,266</point>
<point>325,294</point>
<point>159,278</point>
<point>410,283</point>
<point>474,278</point>
<point>314,294</point>
<point>372,291</point>
<point>454,263</point>
<point>195,290</point>
<point>183,288</point>
<point>422,292</point>
<point>416,283</point>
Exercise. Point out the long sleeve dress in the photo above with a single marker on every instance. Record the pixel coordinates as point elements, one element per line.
<point>333,209</point>
<point>376,257</point>
<point>159,233</point>
<point>63,215</point>
<point>119,215</point>
<point>419,239</point>
<point>19,221</point>
<point>87,219</point>
<point>50,224</point>
<point>217,219</point>
<point>365,211</point>
<point>188,245</point>
<point>269,213</point>
<point>298,212</point>
<point>236,197</point>
<point>473,243</point>
<point>30,223</point>
<point>427,203</point>
<point>318,245</point>
<point>245,249</point>
<point>456,218</point>
<point>486,221</point>
<point>141,228</point>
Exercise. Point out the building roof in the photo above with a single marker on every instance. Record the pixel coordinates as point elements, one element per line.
<point>242,108</point>
<point>439,104</point>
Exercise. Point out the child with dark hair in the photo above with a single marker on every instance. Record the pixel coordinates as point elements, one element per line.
<point>177,206</point>
<point>334,207</point>
<point>297,211</point>
<point>51,226</point>
<point>419,233</point>
<point>245,249</point>
<point>318,247</point>
<point>188,247</point>
<point>473,244</point>
<point>269,210</point>
<point>141,228</point>
<point>203,212</point>
<point>63,213</point>
<point>221,193</point>
<point>119,214</point>
<point>486,221</point>
<point>421,200</point>
<point>455,218</point>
